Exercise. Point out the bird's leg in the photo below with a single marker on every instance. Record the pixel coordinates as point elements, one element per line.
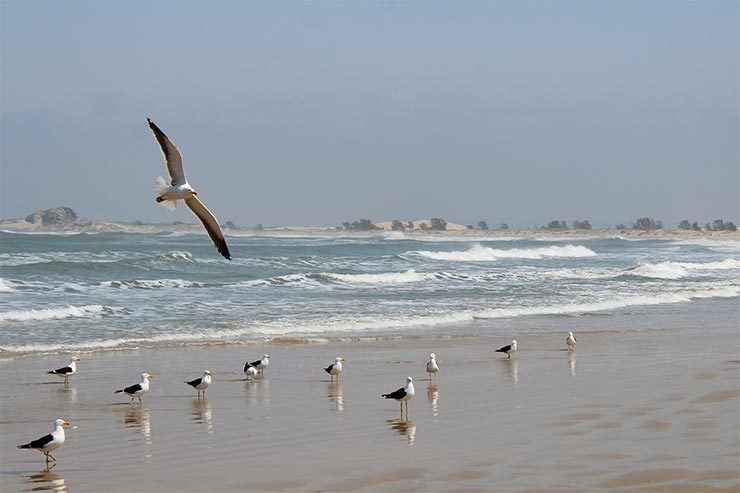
<point>52,457</point>
<point>140,401</point>
<point>132,399</point>
<point>46,454</point>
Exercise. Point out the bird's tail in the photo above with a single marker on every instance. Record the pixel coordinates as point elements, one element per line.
<point>327,369</point>
<point>118,391</point>
<point>161,187</point>
<point>387,396</point>
<point>52,372</point>
<point>28,445</point>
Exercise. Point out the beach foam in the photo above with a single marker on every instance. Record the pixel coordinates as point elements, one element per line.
<point>480,253</point>
<point>677,270</point>
<point>51,313</point>
<point>151,284</point>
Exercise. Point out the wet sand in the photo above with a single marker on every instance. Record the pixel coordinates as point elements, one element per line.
<point>628,411</point>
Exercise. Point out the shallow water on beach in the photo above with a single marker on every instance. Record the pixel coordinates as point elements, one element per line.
<point>80,292</point>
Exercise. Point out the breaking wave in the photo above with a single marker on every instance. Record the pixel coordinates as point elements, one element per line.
<point>366,325</point>
<point>5,286</point>
<point>151,284</point>
<point>677,270</point>
<point>52,313</point>
<point>486,254</point>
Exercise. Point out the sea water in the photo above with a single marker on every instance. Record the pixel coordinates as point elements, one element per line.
<point>82,292</point>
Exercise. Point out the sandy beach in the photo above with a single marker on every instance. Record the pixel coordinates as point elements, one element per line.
<point>651,408</point>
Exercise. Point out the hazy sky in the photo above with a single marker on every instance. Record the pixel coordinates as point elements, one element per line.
<point>321,112</point>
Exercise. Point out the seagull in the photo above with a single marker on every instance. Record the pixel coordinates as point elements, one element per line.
<point>138,389</point>
<point>404,394</point>
<point>180,189</point>
<point>571,341</point>
<point>250,371</point>
<point>202,383</point>
<point>432,367</point>
<point>66,371</point>
<point>335,368</point>
<point>508,349</point>
<point>258,365</point>
<point>50,442</point>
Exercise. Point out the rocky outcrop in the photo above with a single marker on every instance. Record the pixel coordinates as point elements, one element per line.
<point>58,216</point>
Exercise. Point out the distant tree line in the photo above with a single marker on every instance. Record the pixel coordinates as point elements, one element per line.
<point>361,225</point>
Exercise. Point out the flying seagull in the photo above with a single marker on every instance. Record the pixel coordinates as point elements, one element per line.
<point>432,366</point>
<point>508,349</point>
<point>50,442</point>
<point>66,371</point>
<point>571,341</point>
<point>202,383</point>
<point>258,365</point>
<point>404,394</point>
<point>180,189</point>
<point>335,368</point>
<point>138,389</point>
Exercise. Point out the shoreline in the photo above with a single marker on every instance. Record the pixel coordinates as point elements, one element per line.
<point>21,226</point>
<point>642,410</point>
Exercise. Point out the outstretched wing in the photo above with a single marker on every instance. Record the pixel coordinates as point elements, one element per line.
<point>210,223</point>
<point>172,157</point>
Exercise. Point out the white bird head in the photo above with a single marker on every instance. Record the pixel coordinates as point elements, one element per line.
<point>61,422</point>
<point>207,372</point>
<point>147,376</point>
<point>432,356</point>
<point>409,379</point>
<point>74,358</point>
<point>570,334</point>
<point>513,344</point>
<point>339,359</point>
<point>266,356</point>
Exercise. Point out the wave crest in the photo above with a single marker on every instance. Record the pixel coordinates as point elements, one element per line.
<point>677,270</point>
<point>480,253</point>
<point>52,313</point>
<point>151,284</point>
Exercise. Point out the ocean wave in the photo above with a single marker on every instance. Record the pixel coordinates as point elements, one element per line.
<point>480,253</point>
<point>677,270</point>
<point>365,326</point>
<point>52,313</point>
<point>151,284</point>
<point>5,286</point>
<point>177,256</point>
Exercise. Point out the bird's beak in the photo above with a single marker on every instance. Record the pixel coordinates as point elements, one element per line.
<point>66,423</point>
<point>343,360</point>
<point>195,193</point>
<point>151,377</point>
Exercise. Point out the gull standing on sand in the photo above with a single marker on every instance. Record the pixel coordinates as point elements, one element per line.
<point>258,365</point>
<point>432,367</point>
<point>138,389</point>
<point>571,341</point>
<point>66,371</point>
<point>335,368</point>
<point>202,383</point>
<point>50,442</point>
<point>508,349</point>
<point>180,189</point>
<point>404,394</point>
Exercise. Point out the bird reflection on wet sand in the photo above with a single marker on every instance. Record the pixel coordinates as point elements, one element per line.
<point>403,427</point>
<point>203,413</point>
<point>334,393</point>
<point>46,480</point>
<point>137,417</point>
<point>572,363</point>
<point>433,397</point>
